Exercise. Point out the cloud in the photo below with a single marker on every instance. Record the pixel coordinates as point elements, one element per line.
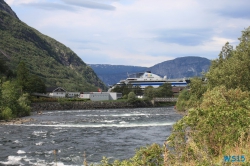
<point>188,37</point>
<point>17,2</point>
<point>90,4</point>
<point>51,6</point>
<point>232,9</point>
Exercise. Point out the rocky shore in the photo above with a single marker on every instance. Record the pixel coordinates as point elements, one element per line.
<point>16,121</point>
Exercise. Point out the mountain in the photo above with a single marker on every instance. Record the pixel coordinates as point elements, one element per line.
<point>111,74</point>
<point>182,67</point>
<point>45,57</point>
<point>177,68</point>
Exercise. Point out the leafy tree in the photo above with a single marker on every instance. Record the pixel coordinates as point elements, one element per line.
<point>124,89</point>
<point>132,97</point>
<point>149,92</point>
<point>13,102</point>
<point>35,84</point>
<point>28,82</point>
<point>23,76</point>
<point>165,90</point>
<point>232,69</point>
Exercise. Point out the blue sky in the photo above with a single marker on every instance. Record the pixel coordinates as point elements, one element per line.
<point>137,32</point>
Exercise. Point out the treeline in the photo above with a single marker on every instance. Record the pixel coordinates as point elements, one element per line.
<point>165,90</point>
<point>15,88</point>
<point>217,120</point>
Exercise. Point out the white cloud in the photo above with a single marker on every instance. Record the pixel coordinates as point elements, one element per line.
<point>17,2</point>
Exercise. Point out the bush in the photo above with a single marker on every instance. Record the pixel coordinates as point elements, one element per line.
<point>6,114</point>
<point>125,97</point>
<point>132,97</point>
<point>182,103</point>
<point>151,155</point>
<point>222,118</point>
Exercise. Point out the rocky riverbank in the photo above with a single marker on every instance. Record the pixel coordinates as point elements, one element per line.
<point>87,105</point>
<point>16,121</point>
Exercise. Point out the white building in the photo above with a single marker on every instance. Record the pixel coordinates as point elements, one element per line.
<point>57,92</point>
<point>99,96</point>
<point>73,94</point>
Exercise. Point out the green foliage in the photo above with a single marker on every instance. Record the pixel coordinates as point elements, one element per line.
<point>193,97</point>
<point>24,103</point>
<point>219,122</point>
<point>165,90</point>
<point>232,69</point>
<point>219,114</point>
<point>150,92</point>
<point>132,97</point>
<point>28,82</point>
<point>182,102</point>
<point>23,76</point>
<point>6,114</point>
<point>125,97</point>
<point>126,89</point>
<point>151,155</point>
<point>13,103</point>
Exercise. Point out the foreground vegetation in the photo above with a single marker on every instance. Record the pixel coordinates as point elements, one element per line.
<point>217,121</point>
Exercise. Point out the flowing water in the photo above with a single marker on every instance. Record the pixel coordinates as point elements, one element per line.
<point>114,133</point>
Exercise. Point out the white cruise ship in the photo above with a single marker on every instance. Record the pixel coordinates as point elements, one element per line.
<point>149,79</point>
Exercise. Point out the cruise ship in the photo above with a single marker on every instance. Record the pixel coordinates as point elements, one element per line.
<point>147,78</point>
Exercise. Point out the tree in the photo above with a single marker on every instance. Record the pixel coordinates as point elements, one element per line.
<point>23,76</point>
<point>132,97</point>
<point>232,69</point>
<point>14,103</point>
<point>165,90</point>
<point>149,92</point>
<point>35,84</point>
<point>28,82</point>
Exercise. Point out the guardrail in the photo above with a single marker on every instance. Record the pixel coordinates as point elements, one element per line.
<point>172,99</point>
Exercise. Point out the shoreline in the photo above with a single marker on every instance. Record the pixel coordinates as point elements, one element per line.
<point>38,108</point>
<point>17,121</point>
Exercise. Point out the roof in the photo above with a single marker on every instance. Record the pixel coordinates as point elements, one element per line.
<point>55,89</point>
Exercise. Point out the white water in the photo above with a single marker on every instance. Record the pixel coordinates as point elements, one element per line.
<point>113,133</point>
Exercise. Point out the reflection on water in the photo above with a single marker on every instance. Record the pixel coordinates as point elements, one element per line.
<point>114,133</point>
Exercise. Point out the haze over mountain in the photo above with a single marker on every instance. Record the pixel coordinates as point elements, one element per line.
<point>177,68</point>
<point>45,57</point>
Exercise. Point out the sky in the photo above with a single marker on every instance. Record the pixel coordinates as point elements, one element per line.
<point>137,32</point>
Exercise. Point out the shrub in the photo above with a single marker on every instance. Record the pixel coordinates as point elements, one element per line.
<point>208,131</point>
<point>6,114</point>
<point>132,97</point>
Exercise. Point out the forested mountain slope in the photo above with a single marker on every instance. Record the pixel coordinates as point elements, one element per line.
<point>45,57</point>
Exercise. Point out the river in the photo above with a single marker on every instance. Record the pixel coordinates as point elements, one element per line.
<point>114,133</point>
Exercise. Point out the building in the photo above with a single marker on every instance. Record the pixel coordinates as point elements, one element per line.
<point>57,92</point>
<point>99,96</point>
<point>72,94</point>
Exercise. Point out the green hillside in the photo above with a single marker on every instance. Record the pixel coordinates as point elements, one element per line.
<point>45,57</point>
